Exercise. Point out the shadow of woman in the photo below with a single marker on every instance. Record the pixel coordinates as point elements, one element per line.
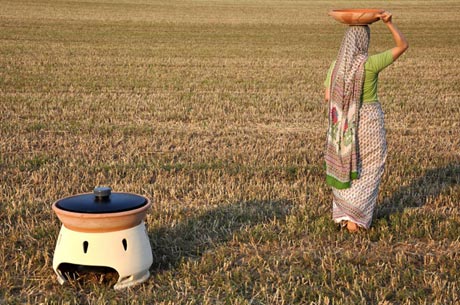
<point>195,235</point>
<point>415,195</point>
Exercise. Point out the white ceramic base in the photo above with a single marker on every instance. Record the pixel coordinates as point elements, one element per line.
<point>127,251</point>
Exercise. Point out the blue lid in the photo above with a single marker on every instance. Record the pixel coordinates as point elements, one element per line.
<point>102,200</point>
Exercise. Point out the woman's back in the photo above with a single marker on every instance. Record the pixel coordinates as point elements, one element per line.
<point>373,66</point>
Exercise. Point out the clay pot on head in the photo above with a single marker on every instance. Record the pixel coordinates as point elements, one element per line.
<point>356,16</point>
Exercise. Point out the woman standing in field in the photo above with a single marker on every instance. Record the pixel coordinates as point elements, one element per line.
<point>356,145</point>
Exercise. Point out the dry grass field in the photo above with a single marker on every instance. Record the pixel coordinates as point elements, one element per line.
<point>213,108</point>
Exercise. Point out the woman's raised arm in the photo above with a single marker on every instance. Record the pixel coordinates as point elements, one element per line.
<point>400,40</point>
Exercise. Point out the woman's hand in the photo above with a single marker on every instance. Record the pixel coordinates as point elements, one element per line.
<point>386,17</point>
<point>327,95</point>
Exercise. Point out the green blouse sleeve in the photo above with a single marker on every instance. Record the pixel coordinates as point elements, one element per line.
<point>380,61</point>
<point>327,82</point>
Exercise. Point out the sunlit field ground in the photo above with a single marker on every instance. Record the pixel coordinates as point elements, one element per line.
<point>214,109</point>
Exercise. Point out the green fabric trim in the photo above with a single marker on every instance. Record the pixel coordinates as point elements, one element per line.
<point>339,184</point>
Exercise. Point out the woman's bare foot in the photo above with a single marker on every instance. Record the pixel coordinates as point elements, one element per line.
<point>352,227</point>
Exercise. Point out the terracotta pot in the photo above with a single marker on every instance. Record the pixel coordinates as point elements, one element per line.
<point>356,16</point>
<point>112,218</point>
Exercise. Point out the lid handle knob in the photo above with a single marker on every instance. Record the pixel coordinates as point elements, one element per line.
<point>102,192</point>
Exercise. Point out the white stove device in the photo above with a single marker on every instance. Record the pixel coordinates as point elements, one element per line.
<point>107,230</point>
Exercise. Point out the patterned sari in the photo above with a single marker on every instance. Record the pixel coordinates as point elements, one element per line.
<point>345,100</point>
<point>357,203</point>
<point>356,146</point>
